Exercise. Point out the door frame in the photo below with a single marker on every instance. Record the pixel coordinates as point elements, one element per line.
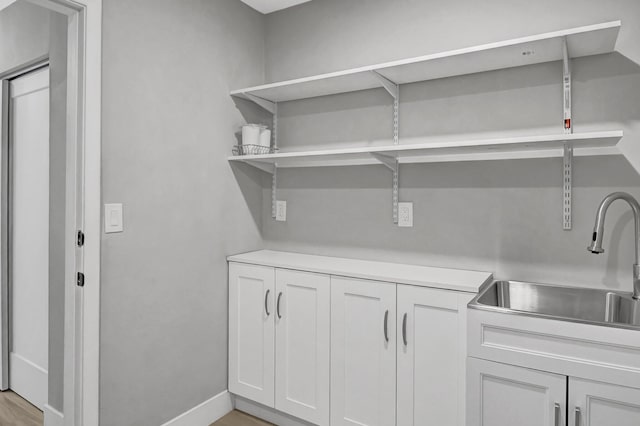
<point>83,205</point>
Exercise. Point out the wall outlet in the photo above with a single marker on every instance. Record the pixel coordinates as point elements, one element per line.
<point>405,215</point>
<point>281,211</point>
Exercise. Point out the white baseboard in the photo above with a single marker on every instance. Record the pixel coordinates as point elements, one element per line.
<point>268,414</point>
<point>52,417</point>
<point>206,413</point>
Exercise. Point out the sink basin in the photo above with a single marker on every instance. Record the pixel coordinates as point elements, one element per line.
<point>576,304</point>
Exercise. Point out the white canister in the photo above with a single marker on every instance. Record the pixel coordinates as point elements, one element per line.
<point>251,134</point>
<point>265,137</point>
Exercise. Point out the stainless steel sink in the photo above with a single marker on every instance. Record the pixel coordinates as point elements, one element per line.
<point>583,305</point>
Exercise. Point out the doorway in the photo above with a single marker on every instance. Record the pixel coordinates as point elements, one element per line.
<point>29,189</point>
<point>81,254</point>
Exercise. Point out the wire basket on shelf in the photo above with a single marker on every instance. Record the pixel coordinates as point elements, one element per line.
<point>246,149</point>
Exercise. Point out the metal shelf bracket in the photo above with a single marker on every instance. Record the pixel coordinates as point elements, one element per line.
<point>268,105</point>
<point>394,91</point>
<point>392,164</point>
<point>567,184</point>
<point>272,169</point>
<point>274,187</point>
<point>265,167</point>
<point>389,85</point>
<point>567,159</point>
<point>566,87</point>
<point>389,161</point>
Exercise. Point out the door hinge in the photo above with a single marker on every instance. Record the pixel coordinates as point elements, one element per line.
<point>80,279</point>
<point>80,239</point>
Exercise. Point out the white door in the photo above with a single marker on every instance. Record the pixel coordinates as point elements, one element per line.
<point>251,332</point>
<point>431,351</point>
<point>363,353</point>
<point>504,395</point>
<point>29,236</point>
<point>302,345</point>
<point>601,404</point>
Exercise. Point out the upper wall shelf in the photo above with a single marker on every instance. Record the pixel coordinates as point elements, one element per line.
<point>547,47</point>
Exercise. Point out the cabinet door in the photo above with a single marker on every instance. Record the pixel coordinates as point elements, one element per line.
<point>431,351</point>
<point>601,404</point>
<point>302,345</point>
<point>363,353</point>
<point>504,395</point>
<point>251,332</point>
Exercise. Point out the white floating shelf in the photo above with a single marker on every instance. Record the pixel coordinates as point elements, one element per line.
<point>547,47</point>
<point>541,146</point>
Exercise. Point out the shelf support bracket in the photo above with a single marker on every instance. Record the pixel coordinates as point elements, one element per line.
<point>394,91</point>
<point>265,167</point>
<point>274,134</point>
<point>567,185</point>
<point>567,159</point>
<point>391,162</point>
<point>388,85</point>
<point>566,87</point>
<point>268,105</point>
<point>274,186</point>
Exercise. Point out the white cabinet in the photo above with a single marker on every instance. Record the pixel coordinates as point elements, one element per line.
<point>363,353</point>
<point>431,356</point>
<point>251,332</point>
<point>599,404</point>
<point>303,345</point>
<point>505,395</point>
<point>347,350</point>
<point>279,347</point>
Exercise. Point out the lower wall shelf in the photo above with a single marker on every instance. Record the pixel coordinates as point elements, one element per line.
<point>537,146</point>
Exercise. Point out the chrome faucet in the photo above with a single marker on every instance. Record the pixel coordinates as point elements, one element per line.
<point>598,232</point>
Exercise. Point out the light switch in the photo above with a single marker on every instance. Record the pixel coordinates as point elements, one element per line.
<point>113,218</point>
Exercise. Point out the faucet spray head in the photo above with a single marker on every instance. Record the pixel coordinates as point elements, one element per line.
<point>596,244</point>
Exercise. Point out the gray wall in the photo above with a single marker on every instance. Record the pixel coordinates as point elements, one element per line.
<point>168,126</point>
<point>24,35</point>
<point>503,216</point>
<point>28,34</point>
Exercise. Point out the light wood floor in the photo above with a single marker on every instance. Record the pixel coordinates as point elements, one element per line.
<point>237,418</point>
<point>15,411</point>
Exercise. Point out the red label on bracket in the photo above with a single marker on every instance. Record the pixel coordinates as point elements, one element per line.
<point>567,123</point>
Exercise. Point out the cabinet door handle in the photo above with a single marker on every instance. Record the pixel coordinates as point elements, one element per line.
<point>404,329</point>
<point>278,306</point>
<point>386,328</point>
<point>557,414</point>
<point>266,302</point>
<point>578,415</point>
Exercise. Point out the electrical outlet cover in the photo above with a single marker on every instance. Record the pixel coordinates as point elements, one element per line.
<point>405,215</point>
<point>281,211</point>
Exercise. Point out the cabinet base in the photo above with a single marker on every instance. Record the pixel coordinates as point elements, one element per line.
<point>267,414</point>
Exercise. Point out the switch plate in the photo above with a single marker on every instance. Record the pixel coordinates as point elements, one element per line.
<point>281,211</point>
<point>405,215</point>
<point>113,218</point>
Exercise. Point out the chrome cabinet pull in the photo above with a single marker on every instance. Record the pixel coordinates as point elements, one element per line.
<point>557,411</point>
<point>578,415</point>
<point>404,329</point>
<point>266,302</point>
<point>386,329</point>
<point>278,306</point>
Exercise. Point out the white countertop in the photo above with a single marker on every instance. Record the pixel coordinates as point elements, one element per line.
<point>424,276</point>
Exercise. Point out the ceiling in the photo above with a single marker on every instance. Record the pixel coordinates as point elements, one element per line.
<point>5,3</point>
<point>268,6</point>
